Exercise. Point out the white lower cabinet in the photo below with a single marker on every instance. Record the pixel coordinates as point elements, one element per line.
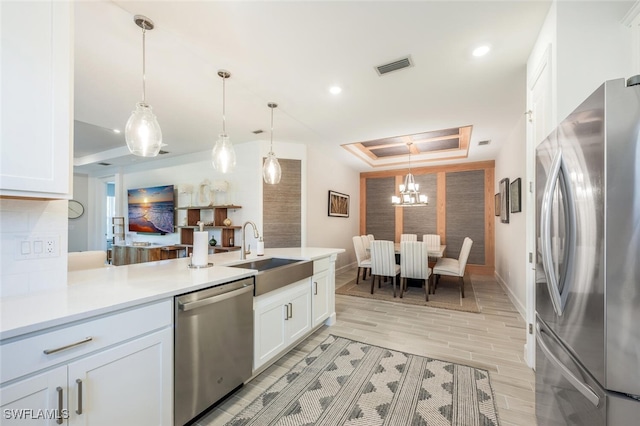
<point>320,297</point>
<point>127,383</point>
<point>280,318</point>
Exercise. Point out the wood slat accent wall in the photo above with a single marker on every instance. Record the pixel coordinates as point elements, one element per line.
<point>282,207</point>
<point>465,213</point>
<point>377,215</point>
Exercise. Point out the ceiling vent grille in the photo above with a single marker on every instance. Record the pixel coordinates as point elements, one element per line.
<point>163,152</point>
<point>394,66</point>
<point>485,142</point>
<point>257,132</point>
<point>104,164</point>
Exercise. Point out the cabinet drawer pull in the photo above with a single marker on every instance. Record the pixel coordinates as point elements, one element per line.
<point>286,312</point>
<point>79,410</point>
<point>60,407</point>
<point>315,290</point>
<point>72,345</point>
<point>291,307</point>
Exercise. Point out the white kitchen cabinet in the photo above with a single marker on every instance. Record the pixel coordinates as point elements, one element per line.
<point>38,400</point>
<point>37,99</point>
<point>281,318</point>
<point>119,372</point>
<point>320,296</point>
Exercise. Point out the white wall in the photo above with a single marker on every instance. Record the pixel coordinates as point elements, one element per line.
<point>511,252</point>
<point>593,45</point>
<point>22,219</point>
<point>79,228</point>
<point>324,231</point>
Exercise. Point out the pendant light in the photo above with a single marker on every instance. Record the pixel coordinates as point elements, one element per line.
<point>223,155</point>
<point>142,133</point>
<point>409,191</point>
<point>271,171</point>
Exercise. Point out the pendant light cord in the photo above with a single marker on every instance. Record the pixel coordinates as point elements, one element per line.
<point>144,74</point>
<point>224,128</point>
<point>271,146</point>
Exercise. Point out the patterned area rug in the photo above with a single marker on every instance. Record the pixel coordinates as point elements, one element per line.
<point>343,382</point>
<point>447,294</point>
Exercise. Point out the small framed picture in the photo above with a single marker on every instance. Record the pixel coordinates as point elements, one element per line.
<point>338,204</point>
<point>497,205</point>
<point>504,200</point>
<point>514,195</point>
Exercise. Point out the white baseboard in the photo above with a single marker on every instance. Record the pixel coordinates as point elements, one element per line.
<point>516,302</point>
<point>346,267</point>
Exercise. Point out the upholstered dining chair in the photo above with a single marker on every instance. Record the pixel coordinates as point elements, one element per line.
<point>92,259</point>
<point>408,237</point>
<point>414,264</point>
<point>366,243</point>
<point>383,263</point>
<point>432,240</point>
<point>371,237</point>
<point>453,267</point>
<point>364,262</point>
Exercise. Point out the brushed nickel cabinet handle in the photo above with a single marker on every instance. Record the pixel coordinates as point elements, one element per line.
<point>79,410</point>
<point>291,307</point>
<point>286,312</point>
<point>72,345</point>
<point>315,290</point>
<point>60,408</point>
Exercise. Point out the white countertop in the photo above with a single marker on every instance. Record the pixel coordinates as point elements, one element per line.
<point>98,291</point>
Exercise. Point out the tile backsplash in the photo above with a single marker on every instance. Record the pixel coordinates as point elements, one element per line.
<point>27,263</point>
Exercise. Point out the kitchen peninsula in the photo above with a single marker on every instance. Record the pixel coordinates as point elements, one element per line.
<point>111,330</point>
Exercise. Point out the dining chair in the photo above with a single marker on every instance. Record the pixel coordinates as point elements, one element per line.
<point>414,265</point>
<point>92,259</point>
<point>366,243</point>
<point>364,262</point>
<point>371,237</point>
<point>383,263</point>
<point>408,237</point>
<point>453,267</point>
<point>432,240</point>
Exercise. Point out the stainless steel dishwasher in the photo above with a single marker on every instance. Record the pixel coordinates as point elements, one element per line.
<point>213,351</point>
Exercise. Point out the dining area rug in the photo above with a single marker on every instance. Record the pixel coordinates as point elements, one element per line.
<point>447,294</point>
<point>345,382</point>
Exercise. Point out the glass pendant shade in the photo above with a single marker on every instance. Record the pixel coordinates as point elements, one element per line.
<point>143,134</point>
<point>223,156</point>
<point>271,171</point>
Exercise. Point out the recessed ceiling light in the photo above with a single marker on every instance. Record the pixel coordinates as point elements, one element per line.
<point>481,51</point>
<point>335,90</point>
<point>116,131</point>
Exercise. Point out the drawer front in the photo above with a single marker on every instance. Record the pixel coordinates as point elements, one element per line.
<point>27,355</point>
<point>320,265</point>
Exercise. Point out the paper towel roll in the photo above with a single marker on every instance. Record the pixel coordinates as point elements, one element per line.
<point>200,248</point>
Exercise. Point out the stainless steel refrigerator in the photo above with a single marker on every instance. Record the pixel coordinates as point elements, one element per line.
<point>588,263</point>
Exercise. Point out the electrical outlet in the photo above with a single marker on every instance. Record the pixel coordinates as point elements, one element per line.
<point>50,245</point>
<point>37,246</point>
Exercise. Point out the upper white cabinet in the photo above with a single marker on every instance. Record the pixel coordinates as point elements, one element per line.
<point>36,86</point>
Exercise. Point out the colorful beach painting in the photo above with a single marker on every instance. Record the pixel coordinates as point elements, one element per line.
<point>151,210</point>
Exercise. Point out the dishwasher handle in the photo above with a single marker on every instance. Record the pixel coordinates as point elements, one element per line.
<point>214,299</point>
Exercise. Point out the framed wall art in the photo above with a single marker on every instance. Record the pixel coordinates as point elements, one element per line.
<point>338,204</point>
<point>496,209</point>
<point>514,195</point>
<point>504,200</point>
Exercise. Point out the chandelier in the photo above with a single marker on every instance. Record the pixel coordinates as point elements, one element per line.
<point>223,156</point>
<point>409,191</point>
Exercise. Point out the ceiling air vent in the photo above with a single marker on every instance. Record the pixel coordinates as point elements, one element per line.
<point>161,152</point>
<point>485,142</point>
<point>104,164</point>
<point>394,66</point>
<point>257,132</point>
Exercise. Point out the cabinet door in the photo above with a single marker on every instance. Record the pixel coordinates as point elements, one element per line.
<point>299,321</point>
<point>269,329</point>
<point>130,384</point>
<point>320,297</point>
<point>37,400</point>
<point>37,98</point>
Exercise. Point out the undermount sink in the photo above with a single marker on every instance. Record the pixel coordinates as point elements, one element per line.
<point>274,273</point>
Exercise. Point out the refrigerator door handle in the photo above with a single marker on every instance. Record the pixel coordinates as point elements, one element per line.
<point>545,234</point>
<point>580,386</point>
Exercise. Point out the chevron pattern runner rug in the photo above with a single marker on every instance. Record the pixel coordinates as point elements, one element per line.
<point>344,382</point>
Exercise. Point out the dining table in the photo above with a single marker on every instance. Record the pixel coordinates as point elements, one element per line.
<point>431,251</point>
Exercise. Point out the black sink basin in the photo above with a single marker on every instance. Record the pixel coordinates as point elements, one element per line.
<point>274,273</point>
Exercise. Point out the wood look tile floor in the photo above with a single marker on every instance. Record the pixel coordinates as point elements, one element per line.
<point>492,339</point>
